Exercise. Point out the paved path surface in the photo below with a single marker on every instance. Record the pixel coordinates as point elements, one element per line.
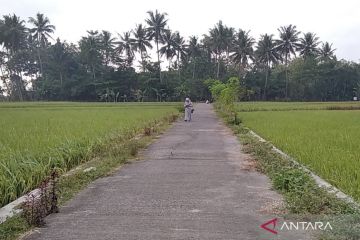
<point>193,183</point>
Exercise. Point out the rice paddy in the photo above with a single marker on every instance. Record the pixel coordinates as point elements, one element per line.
<point>34,137</point>
<point>326,141</point>
<point>287,106</point>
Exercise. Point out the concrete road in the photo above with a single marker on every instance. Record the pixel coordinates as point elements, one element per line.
<point>192,183</point>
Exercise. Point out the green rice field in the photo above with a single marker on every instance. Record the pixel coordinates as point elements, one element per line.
<point>34,137</point>
<point>326,141</point>
<point>287,106</point>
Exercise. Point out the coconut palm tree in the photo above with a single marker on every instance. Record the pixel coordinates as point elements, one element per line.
<point>3,56</point>
<point>217,42</point>
<point>41,31</point>
<point>58,55</point>
<point>229,41</point>
<point>61,58</point>
<point>90,48</point>
<point>156,28</point>
<point>169,48</point>
<point>108,44</point>
<point>287,45</point>
<point>180,49</point>
<point>267,55</point>
<point>327,52</point>
<point>126,45</point>
<point>193,51</point>
<point>242,49</point>
<point>308,46</point>
<point>141,43</point>
<point>13,34</point>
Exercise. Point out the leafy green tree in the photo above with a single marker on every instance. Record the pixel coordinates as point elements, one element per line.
<point>276,86</point>
<point>304,74</point>
<point>231,94</point>
<point>66,76</point>
<point>216,87</point>
<point>62,60</point>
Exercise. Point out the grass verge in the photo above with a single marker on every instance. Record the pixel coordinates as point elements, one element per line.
<point>105,161</point>
<point>303,198</point>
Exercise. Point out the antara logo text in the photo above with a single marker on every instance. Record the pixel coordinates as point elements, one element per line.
<point>270,226</point>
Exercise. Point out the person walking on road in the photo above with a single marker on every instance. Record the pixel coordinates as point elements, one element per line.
<point>188,109</point>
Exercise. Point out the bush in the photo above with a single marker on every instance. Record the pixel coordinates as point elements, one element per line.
<point>290,180</point>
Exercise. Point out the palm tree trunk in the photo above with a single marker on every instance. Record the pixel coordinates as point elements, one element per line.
<point>158,56</point>
<point>40,61</point>
<point>142,60</point>
<point>20,93</point>
<point>218,66</point>
<point>61,81</point>
<point>178,65</point>
<point>106,59</point>
<point>93,72</point>
<point>193,74</point>
<point>266,81</point>
<point>4,80</point>
<point>286,78</point>
<point>19,83</point>
<point>227,58</point>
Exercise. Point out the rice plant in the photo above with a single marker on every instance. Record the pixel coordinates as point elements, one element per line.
<point>36,137</point>
<point>328,142</point>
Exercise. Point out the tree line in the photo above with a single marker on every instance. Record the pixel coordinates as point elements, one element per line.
<point>104,67</point>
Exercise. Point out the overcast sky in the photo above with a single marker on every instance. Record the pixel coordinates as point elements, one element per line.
<point>337,22</point>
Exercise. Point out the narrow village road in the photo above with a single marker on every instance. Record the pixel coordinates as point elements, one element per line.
<point>192,183</point>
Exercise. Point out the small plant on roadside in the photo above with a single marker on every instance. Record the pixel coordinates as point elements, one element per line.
<point>38,205</point>
<point>290,180</point>
<point>172,118</point>
<point>147,131</point>
<point>33,210</point>
<point>180,108</point>
<point>54,194</point>
<point>133,147</point>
